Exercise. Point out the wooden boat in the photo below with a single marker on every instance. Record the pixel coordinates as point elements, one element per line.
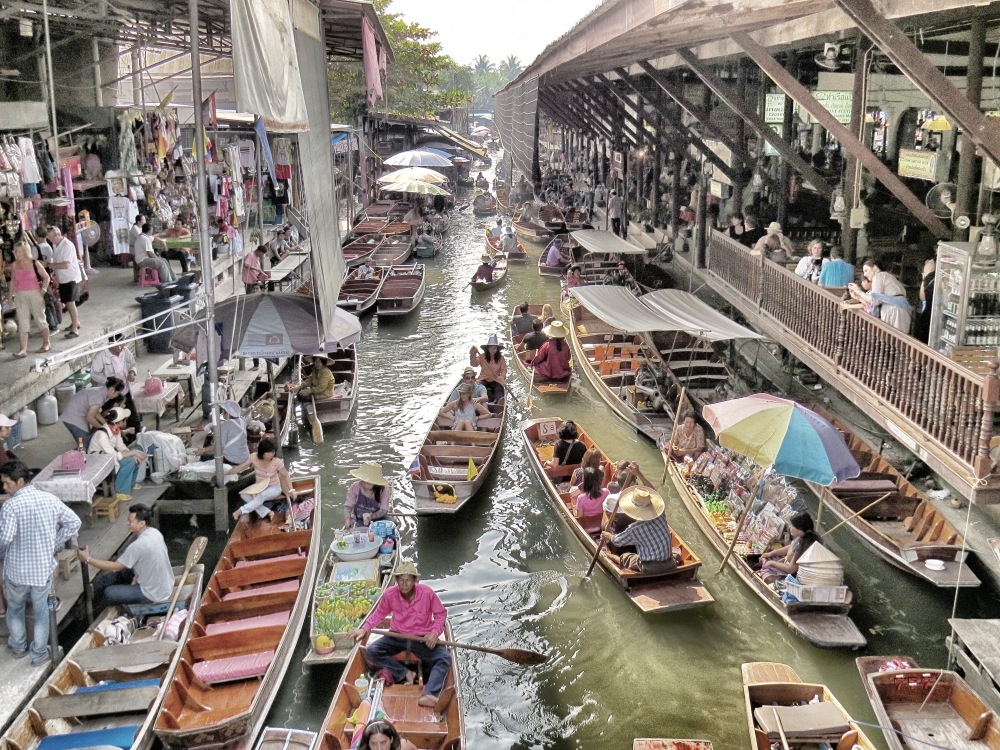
<point>925,707</point>
<point>343,363</point>
<point>361,250</point>
<point>570,246</point>
<point>530,231</point>
<point>576,219</point>
<point>396,227</point>
<point>822,624</point>
<point>651,592</point>
<point>499,275</point>
<point>402,290</point>
<point>444,458</point>
<point>370,225</point>
<point>484,204</point>
<point>441,224</point>
<point>523,357</point>
<point>279,738</point>
<point>394,250</point>
<point>371,574</point>
<point>904,528</point>
<point>386,209</point>
<point>441,727</point>
<point>692,362</point>
<point>245,632</point>
<point>105,694</point>
<point>426,246</point>
<point>482,183</point>
<point>807,713</point>
<point>493,246</point>
<point>358,295</point>
<point>552,217</point>
<point>663,744</point>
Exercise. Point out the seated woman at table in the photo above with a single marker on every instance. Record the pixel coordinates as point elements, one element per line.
<point>108,439</point>
<point>465,411</point>
<point>690,438</point>
<point>783,561</point>
<point>270,480</point>
<point>368,498</point>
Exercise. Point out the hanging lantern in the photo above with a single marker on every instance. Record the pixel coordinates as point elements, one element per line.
<point>987,251</point>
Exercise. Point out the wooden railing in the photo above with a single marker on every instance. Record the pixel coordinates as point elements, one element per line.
<point>941,401</point>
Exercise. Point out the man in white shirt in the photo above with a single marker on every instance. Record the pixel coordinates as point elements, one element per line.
<point>68,273</point>
<point>146,257</point>
<point>615,212</point>
<point>134,231</point>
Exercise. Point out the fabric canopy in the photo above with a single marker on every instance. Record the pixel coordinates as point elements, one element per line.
<point>663,310</point>
<point>598,241</point>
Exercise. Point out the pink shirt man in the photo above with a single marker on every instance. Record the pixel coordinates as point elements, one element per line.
<point>422,615</point>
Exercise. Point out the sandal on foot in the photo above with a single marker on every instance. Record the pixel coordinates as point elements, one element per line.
<point>20,355</point>
<point>46,348</point>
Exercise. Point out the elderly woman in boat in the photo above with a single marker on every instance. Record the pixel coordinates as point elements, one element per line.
<point>783,561</point>
<point>368,498</point>
<point>465,411</point>
<point>552,360</point>
<point>492,368</point>
<point>690,438</point>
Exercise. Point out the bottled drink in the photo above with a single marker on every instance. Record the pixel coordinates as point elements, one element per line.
<point>79,445</point>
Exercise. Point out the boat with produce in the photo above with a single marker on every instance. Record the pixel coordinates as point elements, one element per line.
<point>822,623</point>
<point>493,246</point>
<point>499,275</point>
<point>348,589</point>
<point>453,464</point>
<point>894,518</point>
<point>245,631</point>
<point>358,295</point>
<point>523,357</point>
<point>914,704</point>
<point>108,688</point>
<point>784,711</point>
<point>401,291</point>
<point>440,727</point>
<point>651,592</point>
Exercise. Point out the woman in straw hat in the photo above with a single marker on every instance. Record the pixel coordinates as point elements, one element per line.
<point>108,439</point>
<point>368,498</point>
<point>485,270</point>
<point>492,367</point>
<point>650,534</point>
<point>552,360</point>
<point>785,560</point>
<point>270,480</point>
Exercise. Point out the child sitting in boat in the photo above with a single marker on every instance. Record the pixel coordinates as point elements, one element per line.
<point>588,505</point>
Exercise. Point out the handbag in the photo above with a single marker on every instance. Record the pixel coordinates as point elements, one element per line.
<point>73,460</point>
<point>152,386</point>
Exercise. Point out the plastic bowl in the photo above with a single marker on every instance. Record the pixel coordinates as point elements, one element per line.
<point>158,477</point>
<point>932,564</point>
<point>366,550</point>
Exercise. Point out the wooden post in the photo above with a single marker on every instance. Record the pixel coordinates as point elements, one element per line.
<point>788,125</point>
<point>991,394</point>
<point>967,156</point>
<point>675,189</point>
<point>654,193</point>
<point>736,203</point>
<point>848,237</point>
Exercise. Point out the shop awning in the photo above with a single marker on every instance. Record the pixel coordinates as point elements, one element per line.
<point>599,241</point>
<point>662,310</point>
<point>461,141</point>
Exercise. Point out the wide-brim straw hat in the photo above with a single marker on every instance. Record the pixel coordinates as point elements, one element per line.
<point>494,341</point>
<point>641,503</point>
<point>486,258</point>
<point>257,487</point>
<point>555,330</point>
<point>406,568</point>
<point>370,472</point>
<point>774,227</point>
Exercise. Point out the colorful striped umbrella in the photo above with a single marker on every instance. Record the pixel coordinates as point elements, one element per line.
<point>777,432</point>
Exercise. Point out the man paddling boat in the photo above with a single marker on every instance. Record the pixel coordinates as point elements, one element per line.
<point>415,610</point>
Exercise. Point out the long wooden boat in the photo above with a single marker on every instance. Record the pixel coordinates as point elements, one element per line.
<point>576,219</point>
<point>904,528</point>
<point>386,208</point>
<point>808,713</point>
<point>612,360</point>
<point>523,357</point>
<point>361,249</point>
<point>426,247</point>
<point>499,275</point>
<point>651,592</point>
<point>245,631</point>
<point>394,250</point>
<point>440,727</point>
<point>343,363</point>
<point>923,707</point>
<point>364,577</point>
<point>493,245</point>
<point>402,290</point>
<point>530,231</point>
<point>822,624</point>
<point>369,225</point>
<point>569,245</point>
<point>482,183</point>
<point>665,744</point>
<point>279,738</point>
<point>443,461</point>
<point>692,362</point>
<point>104,693</point>
<point>358,295</point>
<point>552,217</point>
<point>484,204</point>
<point>396,227</point>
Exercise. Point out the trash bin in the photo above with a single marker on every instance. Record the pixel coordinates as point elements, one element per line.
<point>186,291</point>
<point>167,289</point>
<point>151,304</point>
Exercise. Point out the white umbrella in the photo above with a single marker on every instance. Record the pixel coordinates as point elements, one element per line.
<point>417,158</point>
<point>421,174</point>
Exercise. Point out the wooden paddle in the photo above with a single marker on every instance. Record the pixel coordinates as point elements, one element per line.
<point>781,729</point>
<point>194,554</point>
<point>600,541</point>
<point>739,528</point>
<point>516,655</point>
<point>673,433</point>
<point>317,428</point>
<point>855,515</point>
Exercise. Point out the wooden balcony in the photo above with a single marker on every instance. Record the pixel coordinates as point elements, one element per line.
<point>939,409</point>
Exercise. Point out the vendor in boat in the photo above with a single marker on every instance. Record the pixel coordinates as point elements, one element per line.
<point>319,383</point>
<point>485,270</point>
<point>415,610</point>
<point>508,244</point>
<point>382,735</point>
<point>368,498</point>
<point>465,411</point>
<point>364,271</point>
<point>492,368</point>
<point>569,449</point>
<point>527,211</point>
<point>689,439</point>
<point>479,392</point>
<point>649,534</point>
<point>555,256</point>
<point>270,480</point>
<point>783,561</point>
<point>496,230</point>
<point>425,241</point>
<point>552,360</point>
<point>618,276</point>
<point>574,277</point>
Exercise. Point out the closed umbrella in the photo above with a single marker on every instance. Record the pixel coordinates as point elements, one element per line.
<point>422,174</point>
<point>415,187</point>
<point>417,158</point>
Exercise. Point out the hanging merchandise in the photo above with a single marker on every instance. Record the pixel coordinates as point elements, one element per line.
<point>30,173</point>
<point>282,158</point>
<point>129,159</point>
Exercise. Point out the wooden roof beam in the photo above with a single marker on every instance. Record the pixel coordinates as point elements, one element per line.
<point>609,110</point>
<point>788,83</point>
<point>596,122</point>
<point>895,45</point>
<point>560,110</point>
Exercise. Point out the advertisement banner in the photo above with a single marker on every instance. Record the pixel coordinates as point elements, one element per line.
<point>918,165</point>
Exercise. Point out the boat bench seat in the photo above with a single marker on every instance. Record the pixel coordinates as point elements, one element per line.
<point>116,698</point>
<point>260,621</point>
<point>267,560</point>
<point>274,588</point>
<point>121,737</point>
<point>233,668</point>
<point>863,486</point>
<point>111,685</point>
<point>813,721</point>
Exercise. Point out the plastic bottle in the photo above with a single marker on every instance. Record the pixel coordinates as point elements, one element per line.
<point>48,409</point>
<point>29,423</point>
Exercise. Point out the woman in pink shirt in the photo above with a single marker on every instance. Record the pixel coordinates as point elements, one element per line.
<point>552,360</point>
<point>589,504</point>
<point>28,282</point>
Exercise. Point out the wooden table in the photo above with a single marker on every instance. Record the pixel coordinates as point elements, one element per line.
<point>288,272</point>
<point>182,372</point>
<point>157,404</point>
<point>76,487</point>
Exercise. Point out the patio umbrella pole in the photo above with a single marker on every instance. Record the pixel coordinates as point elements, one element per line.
<point>205,260</point>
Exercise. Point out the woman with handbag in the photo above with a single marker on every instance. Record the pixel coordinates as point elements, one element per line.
<point>28,284</point>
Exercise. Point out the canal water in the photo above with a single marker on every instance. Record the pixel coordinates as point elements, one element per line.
<point>511,575</point>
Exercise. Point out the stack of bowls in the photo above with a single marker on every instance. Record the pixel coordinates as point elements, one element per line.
<point>818,566</point>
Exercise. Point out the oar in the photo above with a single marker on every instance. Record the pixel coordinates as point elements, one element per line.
<point>673,433</point>
<point>736,535</point>
<point>516,655</point>
<point>529,403</point>
<point>194,554</point>
<point>855,515</point>
<point>614,512</point>
<point>781,729</point>
<point>317,428</point>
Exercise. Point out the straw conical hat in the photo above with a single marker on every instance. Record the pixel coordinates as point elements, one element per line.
<point>819,555</point>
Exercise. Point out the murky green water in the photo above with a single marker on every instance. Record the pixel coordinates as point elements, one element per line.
<point>511,575</point>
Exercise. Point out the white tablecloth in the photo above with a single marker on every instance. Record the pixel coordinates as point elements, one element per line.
<point>76,488</point>
<point>155,404</point>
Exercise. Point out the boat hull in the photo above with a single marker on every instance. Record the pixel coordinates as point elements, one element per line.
<point>402,291</point>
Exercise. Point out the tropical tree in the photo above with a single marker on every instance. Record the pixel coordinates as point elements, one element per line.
<point>510,67</point>
<point>482,66</point>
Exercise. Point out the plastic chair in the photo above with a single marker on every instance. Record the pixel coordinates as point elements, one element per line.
<point>148,276</point>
